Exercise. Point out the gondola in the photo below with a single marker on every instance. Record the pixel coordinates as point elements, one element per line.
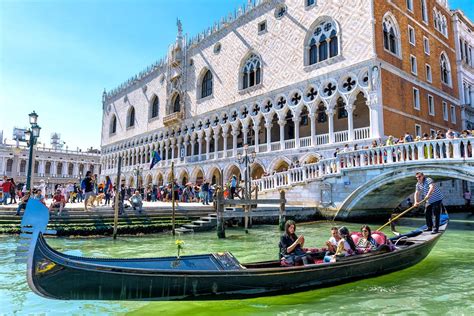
<point>216,276</point>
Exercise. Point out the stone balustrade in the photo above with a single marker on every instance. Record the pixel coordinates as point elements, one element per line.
<point>448,150</point>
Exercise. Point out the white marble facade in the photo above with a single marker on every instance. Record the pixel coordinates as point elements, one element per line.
<point>298,110</point>
<point>464,41</point>
<point>53,166</point>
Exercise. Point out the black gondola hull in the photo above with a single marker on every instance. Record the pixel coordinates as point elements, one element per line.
<point>66,278</point>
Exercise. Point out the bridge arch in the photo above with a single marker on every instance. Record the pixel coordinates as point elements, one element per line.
<point>384,192</point>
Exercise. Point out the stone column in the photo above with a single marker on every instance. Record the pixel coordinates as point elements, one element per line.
<point>167,148</point>
<point>312,117</point>
<point>161,151</point>
<point>330,114</point>
<point>64,171</point>
<point>268,127</point>
<point>296,120</point>
<point>54,170</point>
<point>245,131</point>
<point>208,145</point>
<point>199,145</point>
<point>256,130</point>
<point>216,143</point>
<point>282,134</point>
<point>193,146</point>
<point>350,124</point>
<point>76,168</point>
<point>376,116</point>
<point>224,138</point>
<point>173,146</point>
<point>235,133</point>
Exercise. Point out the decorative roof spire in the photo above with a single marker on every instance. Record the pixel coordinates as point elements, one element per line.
<point>180,28</point>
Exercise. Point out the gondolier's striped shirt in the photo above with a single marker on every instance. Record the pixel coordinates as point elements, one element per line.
<point>424,187</point>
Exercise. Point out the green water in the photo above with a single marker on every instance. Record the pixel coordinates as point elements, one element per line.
<point>441,284</point>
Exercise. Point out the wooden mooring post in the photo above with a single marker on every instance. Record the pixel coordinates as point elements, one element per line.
<point>247,206</point>
<point>220,213</point>
<point>117,196</point>
<point>282,217</point>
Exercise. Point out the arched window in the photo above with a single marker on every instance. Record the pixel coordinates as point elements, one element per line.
<point>251,72</point>
<point>131,117</point>
<point>324,42</point>
<point>206,85</point>
<point>391,37</point>
<point>113,125</point>
<point>321,113</point>
<point>445,69</point>
<point>177,104</point>
<point>440,22</point>
<point>155,107</point>
<point>341,109</point>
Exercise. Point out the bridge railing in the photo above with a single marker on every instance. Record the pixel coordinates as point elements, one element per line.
<point>429,150</point>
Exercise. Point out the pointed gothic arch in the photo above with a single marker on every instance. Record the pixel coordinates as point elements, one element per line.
<point>323,41</point>
<point>391,34</point>
<point>251,71</point>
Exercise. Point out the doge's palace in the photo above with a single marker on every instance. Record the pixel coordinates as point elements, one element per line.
<point>293,80</point>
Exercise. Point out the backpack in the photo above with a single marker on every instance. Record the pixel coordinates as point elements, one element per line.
<point>83,184</point>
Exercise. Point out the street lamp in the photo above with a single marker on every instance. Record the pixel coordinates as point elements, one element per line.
<point>246,160</point>
<point>33,133</point>
<point>137,171</point>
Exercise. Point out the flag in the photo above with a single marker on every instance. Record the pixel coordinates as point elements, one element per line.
<point>155,158</point>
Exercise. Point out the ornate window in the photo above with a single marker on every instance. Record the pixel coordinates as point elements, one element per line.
<point>445,69</point>
<point>177,104</point>
<point>251,72</point>
<point>131,117</point>
<point>113,125</point>
<point>206,85</point>
<point>324,42</point>
<point>391,35</point>
<point>155,107</point>
<point>440,22</point>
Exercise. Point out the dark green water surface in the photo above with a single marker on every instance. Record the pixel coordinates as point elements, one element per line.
<point>442,284</point>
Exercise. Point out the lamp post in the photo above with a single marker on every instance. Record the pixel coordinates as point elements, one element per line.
<point>137,171</point>
<point>246,159</point>
<point>33,133</point>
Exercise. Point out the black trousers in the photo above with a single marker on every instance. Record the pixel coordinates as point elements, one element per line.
<point>430,210</point>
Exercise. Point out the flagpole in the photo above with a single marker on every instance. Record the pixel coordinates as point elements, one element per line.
<point>172,196</point>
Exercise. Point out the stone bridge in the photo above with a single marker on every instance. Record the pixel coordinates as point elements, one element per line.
<point>371,181</point>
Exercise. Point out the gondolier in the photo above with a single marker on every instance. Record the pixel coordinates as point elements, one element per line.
<point>427,190</point>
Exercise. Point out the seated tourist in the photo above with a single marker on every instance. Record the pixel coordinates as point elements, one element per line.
<point>345,246</point>
<point>366,243</point>
<point>38,196</point>
<point>22,204</point>
<point>291,246</point>
<point>332,242</point>
<point>136,201</point>
<point>59,201</point>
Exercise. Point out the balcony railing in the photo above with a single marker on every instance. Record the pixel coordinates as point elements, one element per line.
<point>173,118</point>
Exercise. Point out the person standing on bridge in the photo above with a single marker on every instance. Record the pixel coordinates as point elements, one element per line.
<point>427,190</point>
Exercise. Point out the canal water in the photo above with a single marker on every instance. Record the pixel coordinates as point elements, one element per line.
<point>442,284</point>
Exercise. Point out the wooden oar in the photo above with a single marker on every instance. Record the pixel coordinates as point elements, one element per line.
<point>400,215</point>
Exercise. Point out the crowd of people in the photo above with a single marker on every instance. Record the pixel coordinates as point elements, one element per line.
<point>342,243</point>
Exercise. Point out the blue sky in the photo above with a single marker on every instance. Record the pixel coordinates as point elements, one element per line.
<point>57,56</point>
